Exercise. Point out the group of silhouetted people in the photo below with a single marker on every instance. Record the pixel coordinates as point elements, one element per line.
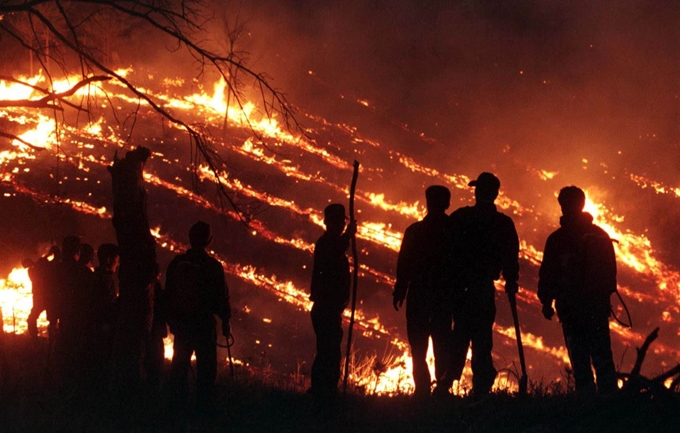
<point>83,311</point>
<point>446,272</point>
<point>80,305</point>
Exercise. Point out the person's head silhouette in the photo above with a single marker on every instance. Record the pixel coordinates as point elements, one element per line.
<point>200,235</point>
<point>438,198</point>
<point>486,187</point>
<point>572,200</point>
<point>334,218</point>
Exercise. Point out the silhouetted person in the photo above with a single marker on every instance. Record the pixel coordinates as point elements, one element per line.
<point>42,283</point>
<point>105,288</point>
<point>155,351</point>
<point>422,282</point>
<point>73,287</point>
<point>197,291</point>
<point>37,294</point>
<point>87,255</point>
<point>484,246</point>
<point>104,297</point>
<point>578,272</point>
<point>330,289</point>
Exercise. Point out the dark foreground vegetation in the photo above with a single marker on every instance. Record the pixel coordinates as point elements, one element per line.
<point>261,400</point>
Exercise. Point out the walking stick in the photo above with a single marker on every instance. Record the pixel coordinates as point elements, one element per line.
<point>355,275</point>
<point>230,342</point>
<point>523,378</point>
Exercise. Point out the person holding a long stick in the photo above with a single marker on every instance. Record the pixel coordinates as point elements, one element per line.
<point>484,246</point>
<point>330,293</point>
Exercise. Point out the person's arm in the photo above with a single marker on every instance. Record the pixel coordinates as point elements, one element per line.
<point>349,233</point>
<point>223,303</point>
<point>511,259</point>
<point>404,270</point>
<point>548,275</point>
<point>607,269</point>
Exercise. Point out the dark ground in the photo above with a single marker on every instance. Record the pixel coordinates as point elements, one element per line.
<point>262,401</point>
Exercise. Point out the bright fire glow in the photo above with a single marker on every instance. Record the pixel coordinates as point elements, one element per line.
<point>634,251</point>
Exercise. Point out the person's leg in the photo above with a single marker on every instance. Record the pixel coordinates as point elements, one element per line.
<point>460,343</point>
<point>601,353</point>
<point>576,339</point>
<point>418,332</point>
<point>183,348</point>
<point>334,350</point>
<point>440,326</point>
<point>206,368</point>
<point>32,320</point>
<point>483,371</point>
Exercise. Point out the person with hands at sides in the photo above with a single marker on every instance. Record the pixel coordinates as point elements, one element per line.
<point>422,282</point>
<point>578,274</point>
<point>196,292</point>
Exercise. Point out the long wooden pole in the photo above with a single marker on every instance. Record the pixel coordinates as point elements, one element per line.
<point>355,275</point>
<point>523,380</point>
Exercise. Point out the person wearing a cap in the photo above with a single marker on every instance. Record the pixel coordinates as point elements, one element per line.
<point>421,281</point>
<point>330,289</point>
<point>484,246</point>
<point>196,292</point>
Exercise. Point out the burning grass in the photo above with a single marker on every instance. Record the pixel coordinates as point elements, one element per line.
<point>280,178</point>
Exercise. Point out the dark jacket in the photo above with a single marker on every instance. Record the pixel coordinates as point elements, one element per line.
<point>484,246</point>
<point>422,259</point>
<point>330,276</point>
<point>73,288</point>
<point>40,281</point>
<point>104,298</point>
<point>578,269</point>
<point>195,306</point>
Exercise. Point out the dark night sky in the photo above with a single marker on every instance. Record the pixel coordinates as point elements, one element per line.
<point>449,67</point>
<point>547,83</point>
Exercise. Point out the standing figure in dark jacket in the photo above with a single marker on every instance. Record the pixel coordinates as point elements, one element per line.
<point>484,246</point>
<point>197,291</point>
<point>421,280</point>
<point>105,296</point>
<point>42,278</point>
<point>73,288</point>
<point>155,350</point>
<point>578,272</point>
<point>104,303</point>
<point>330,294</point>
<point>87,255</point>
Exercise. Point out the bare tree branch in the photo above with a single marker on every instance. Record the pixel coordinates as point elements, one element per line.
<point>184,23</point>
<point>45,102</point>
<point>22,141</point>
<point>642,352</point>
<point>667,375</point>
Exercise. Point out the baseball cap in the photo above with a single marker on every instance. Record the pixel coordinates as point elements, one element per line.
<point>486,180</point>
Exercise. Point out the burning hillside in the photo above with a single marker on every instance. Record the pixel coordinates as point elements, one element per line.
<point>54,183</point>
<point>284,181</point>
